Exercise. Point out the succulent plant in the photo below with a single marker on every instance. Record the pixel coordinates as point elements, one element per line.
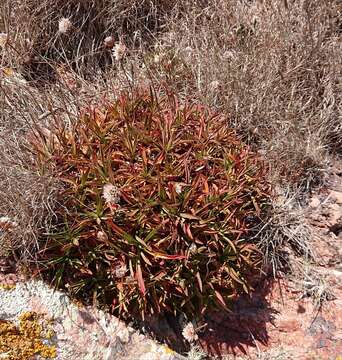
<point>156,206</point>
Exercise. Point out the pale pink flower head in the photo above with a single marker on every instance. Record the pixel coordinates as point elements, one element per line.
<point>64,25</point>
<point>109,42</point>
<point>7,224</point>
<point>120,271</point>
<point>189,333</point>
<point>111,194</point>
<point>102,236</point>
<point>3,39</point>
<point>119,51</point>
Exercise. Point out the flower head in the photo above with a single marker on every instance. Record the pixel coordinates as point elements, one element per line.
<point>189,333</point>
<point>102,236</point>
<point>157,58</point>
<point>111,194</point>
<point>120,271</point>
<point>119,51</point>
<point>3,39</point>
<point>109,42</point>
<point>214,85</point>
<point>64,25</point>
<point>7,223</point>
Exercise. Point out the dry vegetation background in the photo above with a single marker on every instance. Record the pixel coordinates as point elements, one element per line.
<point>272,67</point>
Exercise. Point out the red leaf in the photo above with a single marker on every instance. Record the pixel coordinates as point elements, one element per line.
<point>220,299</point>
<point>189,216</point>
<point>168,257</point>
<point>140,280</point>
<point>117,229</point>
<point>198,277</point>
<point>187,231</point>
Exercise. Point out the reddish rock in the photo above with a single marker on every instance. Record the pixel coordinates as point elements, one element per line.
<point>336,196</point>
<point>288,325</point>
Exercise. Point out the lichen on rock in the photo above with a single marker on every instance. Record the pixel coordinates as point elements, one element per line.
<point>32,336</point>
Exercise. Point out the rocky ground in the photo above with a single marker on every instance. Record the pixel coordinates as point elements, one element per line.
<point>293,318</point>
<point>75,332</point>
<point>285,319</point>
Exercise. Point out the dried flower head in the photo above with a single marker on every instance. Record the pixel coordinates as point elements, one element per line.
<point>3,39</point>
<point>214,85</point>
<point>157,58</point>
<point>111,194</point>
<point>178,188</point>
<point>7,223</point>
<point>64,25</point>
<point>119,51</point>
<point>102,236</point>
<point>109,42</point>
<point>228,54</point>
<point>189,333</point>
<point>120,271</point>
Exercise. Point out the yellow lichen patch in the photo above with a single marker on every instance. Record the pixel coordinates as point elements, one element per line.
<point>7,286</point>
<point>26,340</point>
<point>167,350</point>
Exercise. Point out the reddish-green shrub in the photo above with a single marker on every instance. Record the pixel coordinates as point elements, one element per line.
<point>158,204</point>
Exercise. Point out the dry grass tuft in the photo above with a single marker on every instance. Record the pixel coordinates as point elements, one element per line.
<point>42,33</point>
<point>196,353</point>
<point>26,197</point>
<point>275,68</point>
<point>312,284</point>
<point>285,233</point>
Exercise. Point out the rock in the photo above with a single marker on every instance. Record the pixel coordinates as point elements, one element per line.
<point>336,196</point>
<point>335,214</point>
<point>80,332</point>
<point>288,325</point>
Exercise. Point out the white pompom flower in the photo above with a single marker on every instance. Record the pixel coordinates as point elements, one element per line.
<point>189,333</point>
<point>111,194</point>
<point>64,25</point>
<point>119,51</point>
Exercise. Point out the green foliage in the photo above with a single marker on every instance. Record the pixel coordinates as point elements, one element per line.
<point>157,206</point>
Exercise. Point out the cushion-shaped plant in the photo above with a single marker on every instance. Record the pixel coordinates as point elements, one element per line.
<point>157,206</point>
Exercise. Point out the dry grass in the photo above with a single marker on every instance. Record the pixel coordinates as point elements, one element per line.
<point>36,43</point>
<point>196,353</point>
<point>274,67</point>
<point>286,233</point>
<point>312,284</point>
<point>25,197</point>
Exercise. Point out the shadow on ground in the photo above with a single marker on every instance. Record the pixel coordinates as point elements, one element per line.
<point>232,332</point>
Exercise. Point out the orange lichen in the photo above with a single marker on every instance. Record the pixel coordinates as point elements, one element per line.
<point>26,340</point>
